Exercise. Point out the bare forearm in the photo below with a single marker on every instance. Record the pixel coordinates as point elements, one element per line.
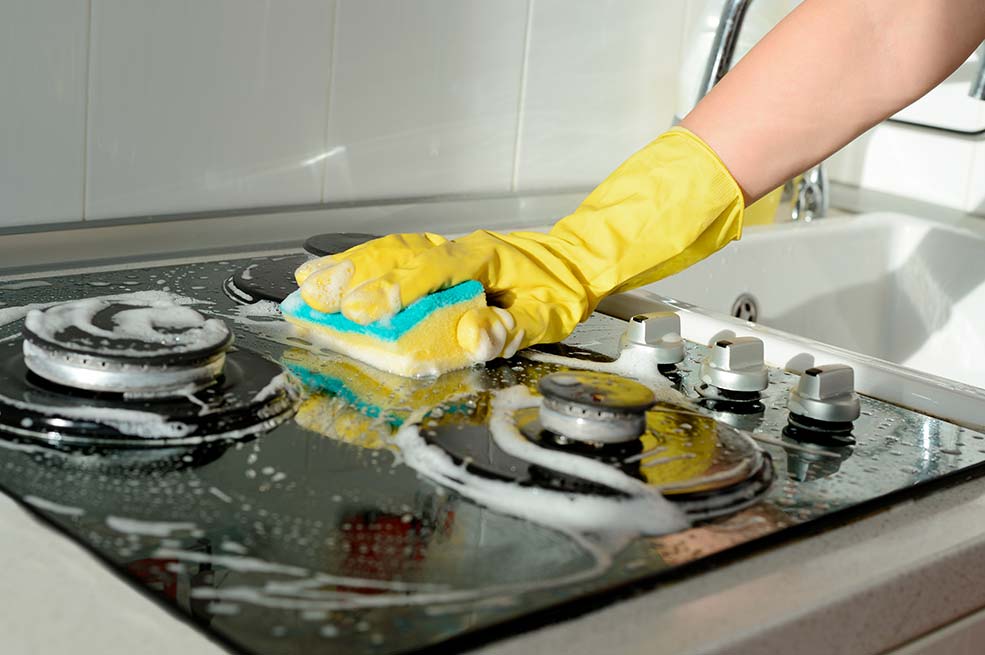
<point>831,70</point>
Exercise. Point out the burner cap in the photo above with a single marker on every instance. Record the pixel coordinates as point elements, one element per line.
<point>335,242</point>
<point>270,278</point>
<point>591,406</point>
<point>153,348</point>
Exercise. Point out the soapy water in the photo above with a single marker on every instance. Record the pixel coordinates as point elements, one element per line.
<point>265,322</point>
<point>53,507</point>
<point>307,592</point>
<point>130,422</point>
<point>643,511</point>
<point>152,528</point>
<point>26,284</point>
<point>165,325</point>
<point>169,321</point>
<point>10,314</point>
<point>263,319</point>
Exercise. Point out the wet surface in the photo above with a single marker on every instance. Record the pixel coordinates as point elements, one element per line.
<point>315,536</point>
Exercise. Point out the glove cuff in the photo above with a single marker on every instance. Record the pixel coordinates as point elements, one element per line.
<point>667,207</point>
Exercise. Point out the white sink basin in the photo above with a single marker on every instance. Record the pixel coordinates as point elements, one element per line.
<point>890,286</point>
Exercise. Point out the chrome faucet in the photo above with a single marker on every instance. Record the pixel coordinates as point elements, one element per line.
<point>978,83</point>
<point>810,197</point>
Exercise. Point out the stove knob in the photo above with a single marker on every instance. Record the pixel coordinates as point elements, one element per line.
<point>658,333</point>
<point>736,365</point>
<point>826,393</point>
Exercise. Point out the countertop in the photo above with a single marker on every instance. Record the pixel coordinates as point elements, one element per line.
<point>872,585</point>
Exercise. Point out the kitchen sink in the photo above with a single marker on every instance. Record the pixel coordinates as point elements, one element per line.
<point>890,286</point>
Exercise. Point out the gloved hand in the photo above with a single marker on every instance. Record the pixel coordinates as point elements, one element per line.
<point>668,206</point>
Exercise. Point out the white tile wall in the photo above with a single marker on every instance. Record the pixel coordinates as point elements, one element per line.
<point>135,107</point>
<point>929,166</point>
<point>600,83</point>
<point>42,110</point>
<point>424,97</point>
<point>206,104</point>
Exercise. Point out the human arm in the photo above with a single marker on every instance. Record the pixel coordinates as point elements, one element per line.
<point>826,73</point>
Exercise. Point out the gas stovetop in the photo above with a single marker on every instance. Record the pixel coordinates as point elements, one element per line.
<point>301,512</point>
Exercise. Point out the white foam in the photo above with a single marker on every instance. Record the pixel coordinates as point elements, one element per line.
<point>247,273</point>
<point>26,284</point>
<point>645,511</point>
<point>130,422</point>
<point>149,528</point>
<point>277,384</point>
<point>11,314</point>
<point>51,506</point>
<point>165,323</point>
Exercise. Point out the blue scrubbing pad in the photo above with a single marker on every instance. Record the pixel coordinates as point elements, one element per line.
<point>418,341</point>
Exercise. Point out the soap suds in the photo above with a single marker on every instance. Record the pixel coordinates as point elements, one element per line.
<point>53,507</point>
<point>126,421</point>
<point>10,314</point>
<point>26,284</point>
<point>645,511</point>
<point>169,326</point>
<point>150,528</point>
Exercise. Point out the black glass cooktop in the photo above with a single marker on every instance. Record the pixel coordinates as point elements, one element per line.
<point>315,537</point>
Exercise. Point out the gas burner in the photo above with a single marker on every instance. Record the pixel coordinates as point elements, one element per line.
<point>594,407</point>
<point>153,349</point>
<point>251,395</point>
<point>269,279</point>
<point>104,371</point>
<point>272,278</point>
<point>332,243</point>
<point>705,467</point>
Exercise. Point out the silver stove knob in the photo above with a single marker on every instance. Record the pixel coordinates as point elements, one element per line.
<point>736,365</point>
<point>591,406</point>
<point>826,393</point>
<point>658,334</point>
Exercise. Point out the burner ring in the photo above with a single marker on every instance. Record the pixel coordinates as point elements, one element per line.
<point>142,349</point>
<point>582,424</point>
<point>80,371</point>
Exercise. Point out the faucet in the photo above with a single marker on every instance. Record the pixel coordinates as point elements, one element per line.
<point>978,83</point>
<point>810,198</point>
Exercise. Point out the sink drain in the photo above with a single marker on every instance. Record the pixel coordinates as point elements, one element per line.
<point>746,307</point>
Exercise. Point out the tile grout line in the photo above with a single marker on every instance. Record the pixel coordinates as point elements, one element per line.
<point>329,94</point>
<point>522,97</point>
<point>85,112</point>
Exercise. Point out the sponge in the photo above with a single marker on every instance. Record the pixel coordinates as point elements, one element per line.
<point>420,340</point>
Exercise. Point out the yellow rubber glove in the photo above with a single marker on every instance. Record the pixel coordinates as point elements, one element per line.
<point>668,206</point>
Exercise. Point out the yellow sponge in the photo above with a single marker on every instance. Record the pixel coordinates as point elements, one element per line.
<point>421,340</point>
